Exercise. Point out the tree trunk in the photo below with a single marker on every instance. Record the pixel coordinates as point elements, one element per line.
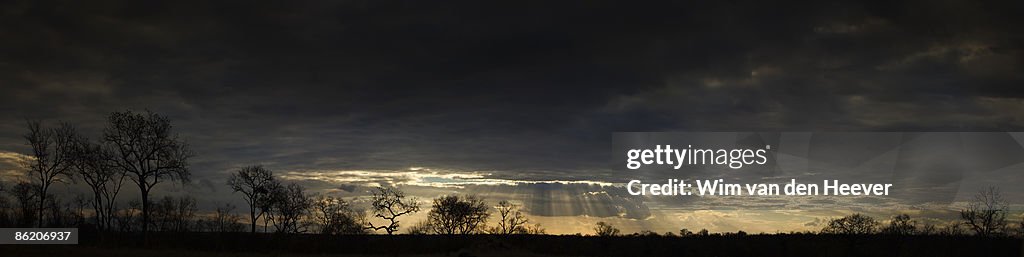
<point>252,216</point>
<point>145,208</point>
<point>42,203</point>
<point>97,205</point>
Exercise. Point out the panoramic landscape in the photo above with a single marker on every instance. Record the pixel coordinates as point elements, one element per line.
<point>140,150</point>
<point>511,128</point>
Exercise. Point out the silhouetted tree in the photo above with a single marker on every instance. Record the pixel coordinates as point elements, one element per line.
<point>224,220</point>
<point>900,225</point>
<point>50,152</point>
<point>927,229</point>
<point>144,147</point>
<point>334,216</point>
<point>24,195</point>
<point>389,204</point>
<point>605,229</point>
<point>986,214</point>
<point>512,220</point>
<point>80,202</point>
<point>185,214</point>
<point>127,219</point>
<point>954,229</point>
<point>534,229</point>
<point>856,224</point>
<point>161,213</point>
<point>255,183</point>
<point>59,214</point>
<point>94,165</point>
<point>290,205</point>
<point>454,214</point>
<point>267,205</point>
<point>6,209</point>
<point>174,214</point>
<point>422,227</point>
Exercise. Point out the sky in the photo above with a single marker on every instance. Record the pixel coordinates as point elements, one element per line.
<point>510,99</point>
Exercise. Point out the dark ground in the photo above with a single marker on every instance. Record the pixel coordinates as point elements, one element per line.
<point>244,244</point>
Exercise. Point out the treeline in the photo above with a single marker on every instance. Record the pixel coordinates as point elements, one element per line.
<point>280,208</point>
<point>140,150</point>
<point>288,209</point>
<point>135,147</point>
<point>18,208</point>
<point>985,216</point>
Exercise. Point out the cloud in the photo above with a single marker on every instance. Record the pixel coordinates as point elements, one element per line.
<point>539,197</point>
<point>417,177</point>
<point>347,95</point>
<point>13,166</point>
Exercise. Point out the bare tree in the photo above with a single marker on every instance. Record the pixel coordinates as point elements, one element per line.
<point>389,204</point>
<point>900,225</point>
<point>174,213</point>
<point>162,213</point>
<point>269,202</point>
<point>24,194</point>
<point>290,205</point>
<point>512,220</point>
<point>80,203</point>
<point>927,229</point>
<point>534,229</point>
<point>144,147</point>
<point>986,215</point>
<point>455,214</point>
<point>856,224</point>
<point>334,216</point>
<point>422,227</point>
<point>255,183</point>
<point>953,229</point>
<point>59,213</point>
<point>185,214</point>
<point>94,165</point>
<point>224,220</point>
<point>6,209</point>
<point>605,229</point>
<point>127,219</point>
<point>50,158</point>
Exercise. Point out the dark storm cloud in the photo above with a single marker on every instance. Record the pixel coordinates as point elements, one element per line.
<point>530,90</point>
